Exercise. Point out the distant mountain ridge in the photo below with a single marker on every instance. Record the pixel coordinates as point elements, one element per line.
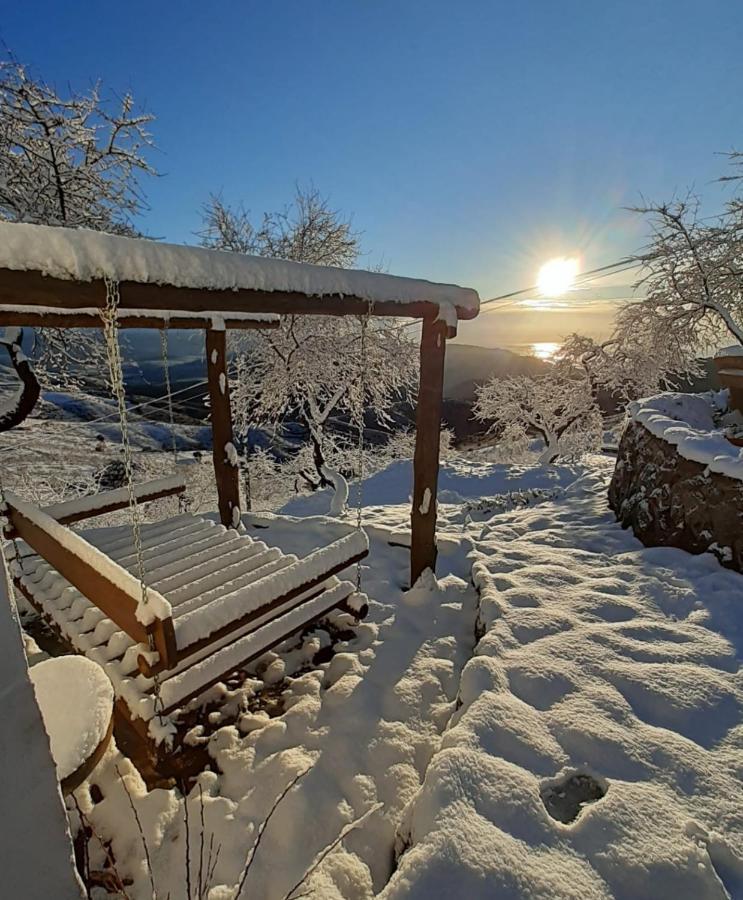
<point>468,365</point>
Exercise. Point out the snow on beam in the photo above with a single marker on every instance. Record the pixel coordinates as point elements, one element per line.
<point>90,317</point>
<point>62,267</point>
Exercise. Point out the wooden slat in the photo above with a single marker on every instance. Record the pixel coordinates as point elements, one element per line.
<point>267,607</point>
<point>427,440</point>
<point>116,603</point>
<point>299,622</point>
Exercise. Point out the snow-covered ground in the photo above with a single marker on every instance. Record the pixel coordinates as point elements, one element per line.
<point>596,657</point>
<point>603,658</point>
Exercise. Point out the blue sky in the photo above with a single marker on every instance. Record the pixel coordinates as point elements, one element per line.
<point>470,140</point>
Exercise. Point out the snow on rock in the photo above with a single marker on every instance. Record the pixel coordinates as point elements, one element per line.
<point>84,255</point>
<point>76,702</point>
<point>686,422</point>
<point>601,663</point>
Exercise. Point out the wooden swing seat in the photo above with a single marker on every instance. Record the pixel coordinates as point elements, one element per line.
<point>216,598</point>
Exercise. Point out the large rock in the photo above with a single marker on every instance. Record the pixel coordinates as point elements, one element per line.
<point>669,500</point>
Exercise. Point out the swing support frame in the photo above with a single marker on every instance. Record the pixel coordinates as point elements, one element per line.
<point>28,298</point>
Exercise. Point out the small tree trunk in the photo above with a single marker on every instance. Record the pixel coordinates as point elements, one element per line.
<point>318,457</point>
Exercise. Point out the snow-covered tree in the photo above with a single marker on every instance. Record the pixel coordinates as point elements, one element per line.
<point>692,282</point>
<point>558,407</point>
<point>621,366</point>
<point>71,159</point>
<point>319,371</point>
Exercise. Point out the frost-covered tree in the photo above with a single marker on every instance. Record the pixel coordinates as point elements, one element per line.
<point>621,366</point>
<point>558,407</point>
<point>315,370</point>
<point>692,282</point>
<point>72,159</point>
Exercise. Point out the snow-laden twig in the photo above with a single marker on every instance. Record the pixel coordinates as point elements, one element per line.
<point>344,832</point>
<point>262,827</point>
<point>140,829</point>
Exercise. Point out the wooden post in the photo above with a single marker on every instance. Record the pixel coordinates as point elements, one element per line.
<point>427,439</point>
<point>223,449</point>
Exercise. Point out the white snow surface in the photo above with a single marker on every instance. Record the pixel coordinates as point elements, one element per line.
<point>76,702</point>
<point>598,657</point>
<point>686,422</point>
<point>84,255</point>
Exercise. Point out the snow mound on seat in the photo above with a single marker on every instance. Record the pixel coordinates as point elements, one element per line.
<point>76,702</point>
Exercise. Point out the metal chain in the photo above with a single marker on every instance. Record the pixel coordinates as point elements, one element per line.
<point>168,392</point>
<point>364,320</point>
<point>116,372</point>
<point>164,333</point>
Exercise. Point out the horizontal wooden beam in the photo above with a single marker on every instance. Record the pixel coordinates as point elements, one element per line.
<point>21,288</point>
<point>89,318</point>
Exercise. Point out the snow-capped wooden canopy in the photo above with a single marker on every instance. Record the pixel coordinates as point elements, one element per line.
<point>56,277</point>
<point>65,268</point>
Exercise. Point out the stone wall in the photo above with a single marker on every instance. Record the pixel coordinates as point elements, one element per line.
<point>669,500</point>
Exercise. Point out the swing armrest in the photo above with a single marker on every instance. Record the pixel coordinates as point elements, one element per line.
<point>103,581</point>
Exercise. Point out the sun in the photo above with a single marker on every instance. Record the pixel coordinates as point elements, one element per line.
<point>557,276</point>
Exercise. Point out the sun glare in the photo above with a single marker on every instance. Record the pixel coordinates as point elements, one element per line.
<point>557,276</point>
<point>545,349</point>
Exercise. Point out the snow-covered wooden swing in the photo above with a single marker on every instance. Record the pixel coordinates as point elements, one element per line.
<point>170,609</point>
